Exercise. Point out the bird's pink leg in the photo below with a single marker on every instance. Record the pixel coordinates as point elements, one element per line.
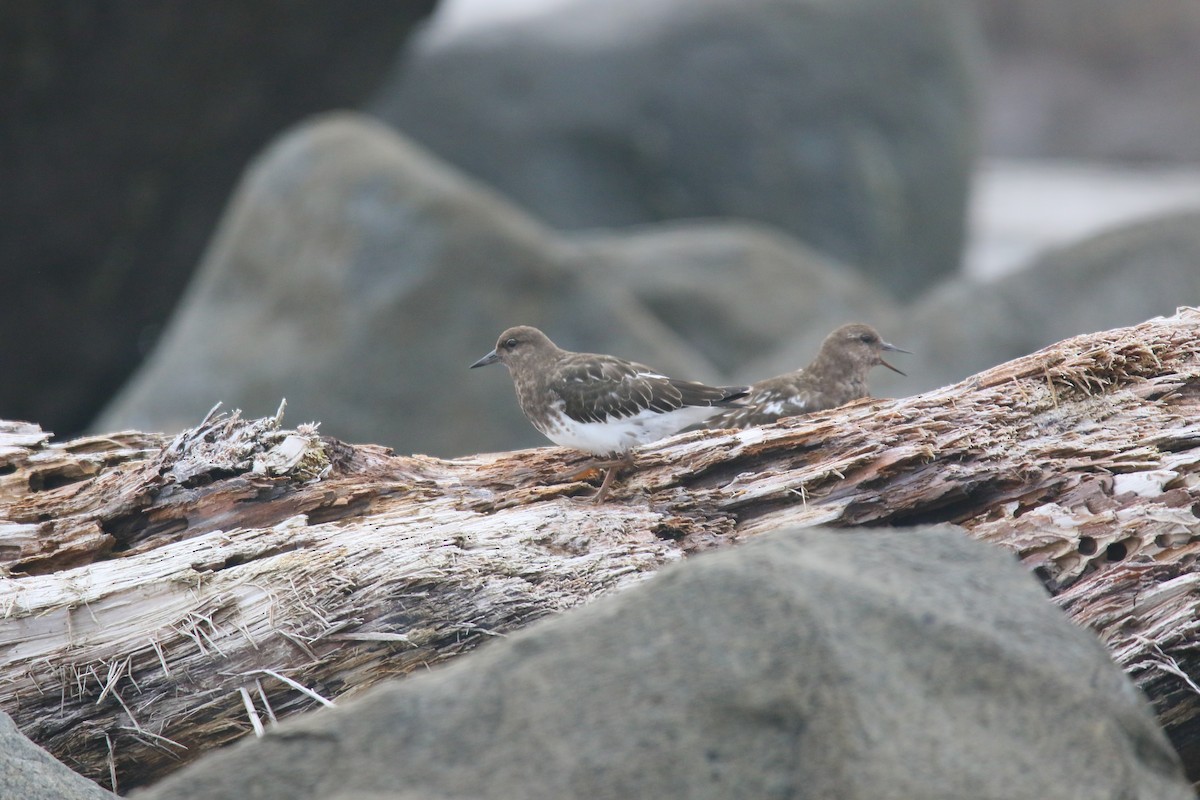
<point>612,466</point>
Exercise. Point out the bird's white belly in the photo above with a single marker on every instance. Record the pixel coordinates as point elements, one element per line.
<point>620,435</point>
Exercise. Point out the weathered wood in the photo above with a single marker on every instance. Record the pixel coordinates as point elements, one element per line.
<point>166,595</point>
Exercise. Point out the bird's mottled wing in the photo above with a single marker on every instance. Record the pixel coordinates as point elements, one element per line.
<point>599,388</point>
<point>768,402</point>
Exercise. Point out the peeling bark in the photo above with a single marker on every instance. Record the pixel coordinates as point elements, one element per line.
<point>165,595</point>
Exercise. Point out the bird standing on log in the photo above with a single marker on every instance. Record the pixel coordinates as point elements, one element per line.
<point>600,404</point>
<point>836,376</point>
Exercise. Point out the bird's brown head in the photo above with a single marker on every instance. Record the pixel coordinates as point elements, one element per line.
<point>859,344</point>
<point>517,346</point>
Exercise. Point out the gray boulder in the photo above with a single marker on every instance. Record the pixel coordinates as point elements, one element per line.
<point>359,278</point>
<point>849,125</point>
<point>1120,277</point>
<point>1093,80</point>
<point>898,664</point>
<point>27,772</point>
<point>126,125</point>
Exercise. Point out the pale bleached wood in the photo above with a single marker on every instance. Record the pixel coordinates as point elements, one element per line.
<point>161,588</point>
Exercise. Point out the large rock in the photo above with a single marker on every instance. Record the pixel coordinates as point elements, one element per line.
<point>126,124</point>
<point>359,278</point>
<point>848,124</point>
<point>914,664</point>
<point>27,772</point>
<point>1104,80</point>
<point>1120,277</point>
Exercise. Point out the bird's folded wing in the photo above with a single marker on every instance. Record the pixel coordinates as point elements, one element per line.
<point>767,403</point>
<point>598,390</point>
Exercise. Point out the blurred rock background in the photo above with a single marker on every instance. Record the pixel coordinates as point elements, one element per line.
<point>705,185</point>
<point>123,129</point>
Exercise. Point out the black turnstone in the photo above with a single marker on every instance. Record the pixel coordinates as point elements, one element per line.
<point>600,404</point>
<point>836,376</point>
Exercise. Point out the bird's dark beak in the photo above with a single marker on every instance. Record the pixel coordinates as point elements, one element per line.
<point>891,348</point>
<point>490,358</point>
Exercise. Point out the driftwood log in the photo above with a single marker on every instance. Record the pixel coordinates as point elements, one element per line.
<point>164,595</point>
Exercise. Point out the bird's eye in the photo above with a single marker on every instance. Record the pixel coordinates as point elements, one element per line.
<point>510,343</point>
<point>866,338</point>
